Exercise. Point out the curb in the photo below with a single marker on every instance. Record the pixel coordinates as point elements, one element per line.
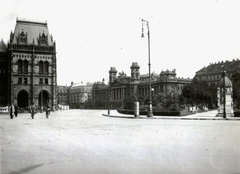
<point>173,118</point>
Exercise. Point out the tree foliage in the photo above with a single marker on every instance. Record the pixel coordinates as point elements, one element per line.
<point>160,101</point>
<point>200,93</point>
<point>129,102</point>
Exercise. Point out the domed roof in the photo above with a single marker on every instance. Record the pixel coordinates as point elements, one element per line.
<point>228,82</point>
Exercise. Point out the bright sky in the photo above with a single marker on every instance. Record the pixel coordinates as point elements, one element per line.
<point>94,35</point>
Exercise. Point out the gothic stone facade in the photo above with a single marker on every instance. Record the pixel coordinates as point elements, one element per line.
<point>31,59</point>
<point>3,74</point>
<point>122,86</point>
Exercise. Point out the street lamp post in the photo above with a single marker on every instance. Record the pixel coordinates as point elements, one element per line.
<point>224,92</point>
<point>150,112</point>
<point>109,97</point>
<point>41,100</point>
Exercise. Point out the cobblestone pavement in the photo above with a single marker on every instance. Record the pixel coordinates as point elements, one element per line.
<point>85,141</point>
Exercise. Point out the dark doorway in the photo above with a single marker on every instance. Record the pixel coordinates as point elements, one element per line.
<point>22,99</point>
<point>43,99</point>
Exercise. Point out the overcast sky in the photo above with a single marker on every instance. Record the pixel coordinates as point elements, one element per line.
<point>94,35</point>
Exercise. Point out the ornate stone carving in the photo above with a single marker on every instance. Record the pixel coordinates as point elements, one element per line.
<point>22,38</point>
<point>122,74</point>
<point>43,39</point>
<point>36,69</point>
<point>14,68</point>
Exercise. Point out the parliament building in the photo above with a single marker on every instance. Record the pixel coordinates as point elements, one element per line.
<point>121,86</point>
<point>28,66</point>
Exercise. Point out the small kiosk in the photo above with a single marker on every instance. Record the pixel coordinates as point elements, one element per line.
<point>224,96</point>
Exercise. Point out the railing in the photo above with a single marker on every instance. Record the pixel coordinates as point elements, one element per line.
<point>30,48</point>
<point>4,109</point>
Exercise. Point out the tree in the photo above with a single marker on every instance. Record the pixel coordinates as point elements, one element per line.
<point>201,93</point>
<point>182,101</point>
<point>167,101</point>
<point>189,93</point>
<point>129,102</point>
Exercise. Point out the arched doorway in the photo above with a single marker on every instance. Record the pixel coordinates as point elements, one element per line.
<point>43,98</point>
<point>22,99</point>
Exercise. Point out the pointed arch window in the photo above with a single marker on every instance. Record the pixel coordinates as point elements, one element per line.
<point>46,66</point>
<point>20,64</point>
<point>25,66</point>
<point>40,67</point>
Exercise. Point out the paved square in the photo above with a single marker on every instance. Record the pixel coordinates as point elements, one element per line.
<point>84,141</point>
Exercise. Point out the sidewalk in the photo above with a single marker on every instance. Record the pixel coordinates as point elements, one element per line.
<point>210,115</point>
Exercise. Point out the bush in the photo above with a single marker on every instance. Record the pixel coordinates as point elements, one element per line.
<point>155,113</point>
<point>129,102</point>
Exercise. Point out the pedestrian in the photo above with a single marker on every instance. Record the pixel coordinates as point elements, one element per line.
<point>11,111</point>
<point>16,110</point>
<point>33,110</point>
<point>48,108</point>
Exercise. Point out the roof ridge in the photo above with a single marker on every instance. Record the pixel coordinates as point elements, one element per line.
<point>31,22</point>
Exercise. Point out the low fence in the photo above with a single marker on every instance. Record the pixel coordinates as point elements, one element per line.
<point>4,109</point>
<point>155,113</point>
<point>63,107</point>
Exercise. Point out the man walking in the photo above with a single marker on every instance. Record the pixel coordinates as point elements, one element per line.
<point>12,111</point>
<point>15,110</point>
<point>33,110</point>
<point>48,108</point>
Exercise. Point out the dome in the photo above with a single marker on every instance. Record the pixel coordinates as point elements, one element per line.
<point>228,82</point>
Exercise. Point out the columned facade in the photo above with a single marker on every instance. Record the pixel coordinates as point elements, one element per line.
<point>137,85</point>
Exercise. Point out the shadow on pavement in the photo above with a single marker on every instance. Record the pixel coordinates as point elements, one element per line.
<point>26,170</point>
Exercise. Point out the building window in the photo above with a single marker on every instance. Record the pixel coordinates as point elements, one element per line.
<point>40,81</point>
<point>19,66</point>
<point>46,81</point>
<point>45,68</point>
<point>25,81</point>
<point>19,80</point>
<point>25,66</point>
<point>40,67</point>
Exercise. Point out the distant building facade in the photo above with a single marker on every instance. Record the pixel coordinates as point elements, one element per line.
<point>62,95</point>
<point>121,86</point>
<point>213,73</point>
<point>79,94</point>
<point>31,75</point>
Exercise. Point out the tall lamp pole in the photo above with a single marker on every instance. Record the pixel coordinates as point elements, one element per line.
<point>150,112</point>
<point>41,99</point>
<point>224,92</point>
<point>109,98</point>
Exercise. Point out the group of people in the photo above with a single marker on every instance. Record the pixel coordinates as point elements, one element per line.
<point>14,110</point>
